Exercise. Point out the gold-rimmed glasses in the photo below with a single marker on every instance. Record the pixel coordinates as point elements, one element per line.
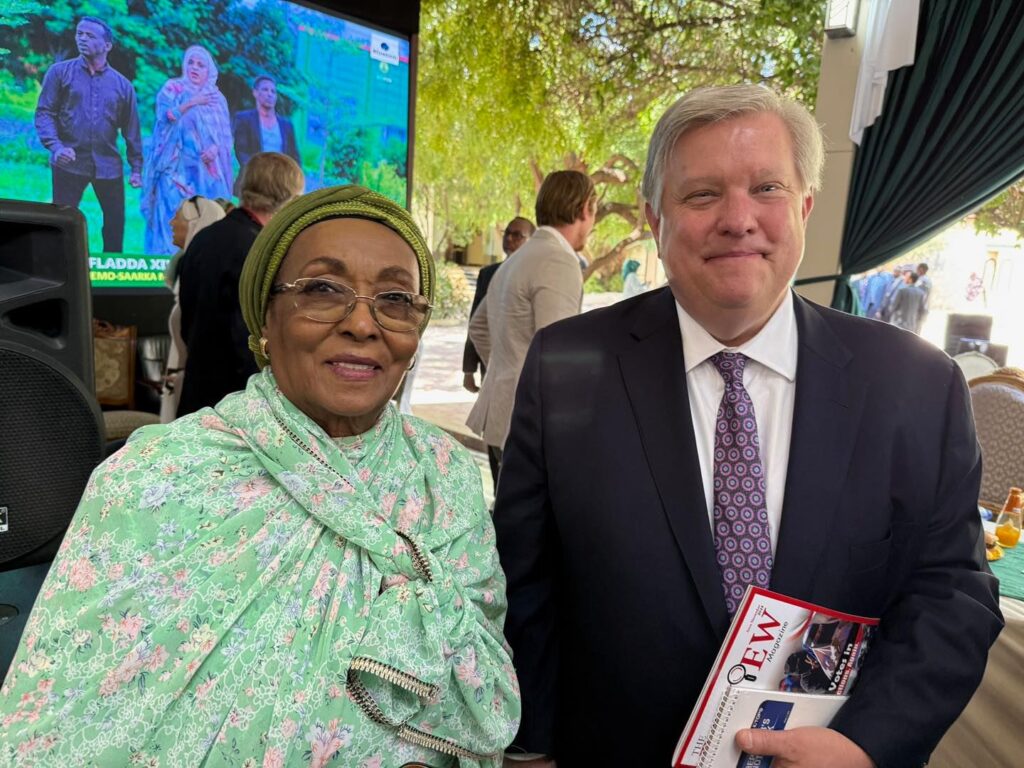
<point>328,301</point>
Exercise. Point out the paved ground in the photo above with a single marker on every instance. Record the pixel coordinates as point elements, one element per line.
<point>437,393</point>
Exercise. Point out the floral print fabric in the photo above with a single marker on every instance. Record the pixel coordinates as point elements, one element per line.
<point>220,576</point>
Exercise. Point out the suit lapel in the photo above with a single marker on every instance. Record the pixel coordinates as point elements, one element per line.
<point>825,421</point>
<point>655,379</point>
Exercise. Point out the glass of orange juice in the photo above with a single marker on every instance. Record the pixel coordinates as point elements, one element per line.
<point>1009,521</point>
<point>1008,533</point>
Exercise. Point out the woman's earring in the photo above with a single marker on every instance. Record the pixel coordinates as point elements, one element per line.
<point>263,347</point>
<point>412,364</point>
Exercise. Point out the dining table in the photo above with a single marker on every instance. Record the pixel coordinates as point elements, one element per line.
<point>990,731</point>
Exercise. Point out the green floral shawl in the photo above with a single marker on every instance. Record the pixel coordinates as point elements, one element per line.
<point>238,589</point>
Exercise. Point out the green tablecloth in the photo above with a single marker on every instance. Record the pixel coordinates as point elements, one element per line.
<point>1010,571</point>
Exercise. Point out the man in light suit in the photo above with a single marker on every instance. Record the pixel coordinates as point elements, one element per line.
<point>615,515</point>
<point>539,284</point>
<point>515,235</point>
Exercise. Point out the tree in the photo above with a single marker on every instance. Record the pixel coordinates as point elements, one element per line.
<point>509,91</point>
<point>1005,211</point>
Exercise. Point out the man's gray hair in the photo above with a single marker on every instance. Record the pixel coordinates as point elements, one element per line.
<point>702,106</point>
<point>269,180</point>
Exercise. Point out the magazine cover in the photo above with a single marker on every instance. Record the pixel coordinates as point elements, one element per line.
<point>777,643</point>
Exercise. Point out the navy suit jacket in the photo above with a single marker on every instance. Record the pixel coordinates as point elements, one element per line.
<point>248,141</point>
<point>470,358</point>
<point>616,610</point>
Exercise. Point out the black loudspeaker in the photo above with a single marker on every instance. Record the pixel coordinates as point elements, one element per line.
<point>959,326</point>
<point>45,303</point>
<point>51,429</point>
<point>51,441</point>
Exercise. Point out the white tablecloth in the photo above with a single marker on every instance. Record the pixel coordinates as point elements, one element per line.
<point>990,732</point>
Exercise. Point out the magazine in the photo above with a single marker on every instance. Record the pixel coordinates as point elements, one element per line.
<point>745,707</point>
<point>777,643</point>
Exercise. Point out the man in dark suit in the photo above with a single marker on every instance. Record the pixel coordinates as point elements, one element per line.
<point>516,233</point>
<point>617,519</point>
<point>219,360</point>
<point>262,129</point>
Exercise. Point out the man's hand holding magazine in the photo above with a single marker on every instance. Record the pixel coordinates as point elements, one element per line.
<point>804,748</point>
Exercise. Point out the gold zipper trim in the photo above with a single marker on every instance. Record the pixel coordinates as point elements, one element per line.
<point>370,708</point>
<point>394,676</point>
<point>419,561</point>
<point>295,438</point>
<point>438,744</point>
<point>366,704</point>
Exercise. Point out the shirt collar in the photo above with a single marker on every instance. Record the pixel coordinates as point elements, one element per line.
<point>559,237</point>
<point>85,65</point>
<point>774,346</point>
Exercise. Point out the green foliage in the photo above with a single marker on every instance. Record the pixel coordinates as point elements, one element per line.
<point>14,14</point>
<point>383,177</point>
<point>453,296</point>
<point>1005,211</point>
<point>149,44</point>
<point>510,91</point>
<point>596,283</point>
<point>346,148</point>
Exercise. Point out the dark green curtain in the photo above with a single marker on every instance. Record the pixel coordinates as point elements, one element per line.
<point>950,136</point>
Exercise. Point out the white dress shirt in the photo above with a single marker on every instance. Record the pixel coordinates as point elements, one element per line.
<point>769,378</point>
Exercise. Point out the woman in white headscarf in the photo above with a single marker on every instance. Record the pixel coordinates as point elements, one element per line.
<point>194,214</point>
<point>191,147</point>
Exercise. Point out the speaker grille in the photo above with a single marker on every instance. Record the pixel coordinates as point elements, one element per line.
<point>50,441</point>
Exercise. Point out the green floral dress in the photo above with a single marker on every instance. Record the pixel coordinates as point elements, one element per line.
<point>237,589</point>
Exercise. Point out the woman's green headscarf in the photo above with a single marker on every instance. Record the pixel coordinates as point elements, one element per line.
<point>629,267</point>
<point>274,240</point>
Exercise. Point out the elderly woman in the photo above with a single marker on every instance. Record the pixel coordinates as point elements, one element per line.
<point>191,147</point>
<point>193,214</point>
<point>300,575</point>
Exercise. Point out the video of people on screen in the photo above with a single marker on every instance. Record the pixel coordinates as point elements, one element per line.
<point>126,115</point>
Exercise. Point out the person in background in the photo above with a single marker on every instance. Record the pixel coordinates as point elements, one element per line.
<point>211,317</point>
<point>668,451</point>
<point>632,285</point>
<point>191,146</point>
<point>924,282</point>
<point>874,292</point>
<point>298,576</point>
<point>225,202</point>
<point>262,129</point>
<point>516,233</point>
<point>906,308</point>
<point>860,289</point>
<point>192,215</point>
<point>83,104</point>
<point>542,283</point>
<point>899,279</point>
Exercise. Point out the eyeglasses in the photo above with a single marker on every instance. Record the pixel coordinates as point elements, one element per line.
<point>326,301</point>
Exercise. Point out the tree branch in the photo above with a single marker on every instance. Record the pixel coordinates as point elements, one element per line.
<point>613,259</point>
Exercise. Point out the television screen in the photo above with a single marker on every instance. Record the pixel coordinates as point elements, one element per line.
<point>127,109</point>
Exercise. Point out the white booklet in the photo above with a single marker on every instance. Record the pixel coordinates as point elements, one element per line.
<point>743,707</point>
<point>778,644</point>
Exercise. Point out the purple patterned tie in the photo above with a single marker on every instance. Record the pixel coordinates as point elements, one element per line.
<point>743,545</point>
